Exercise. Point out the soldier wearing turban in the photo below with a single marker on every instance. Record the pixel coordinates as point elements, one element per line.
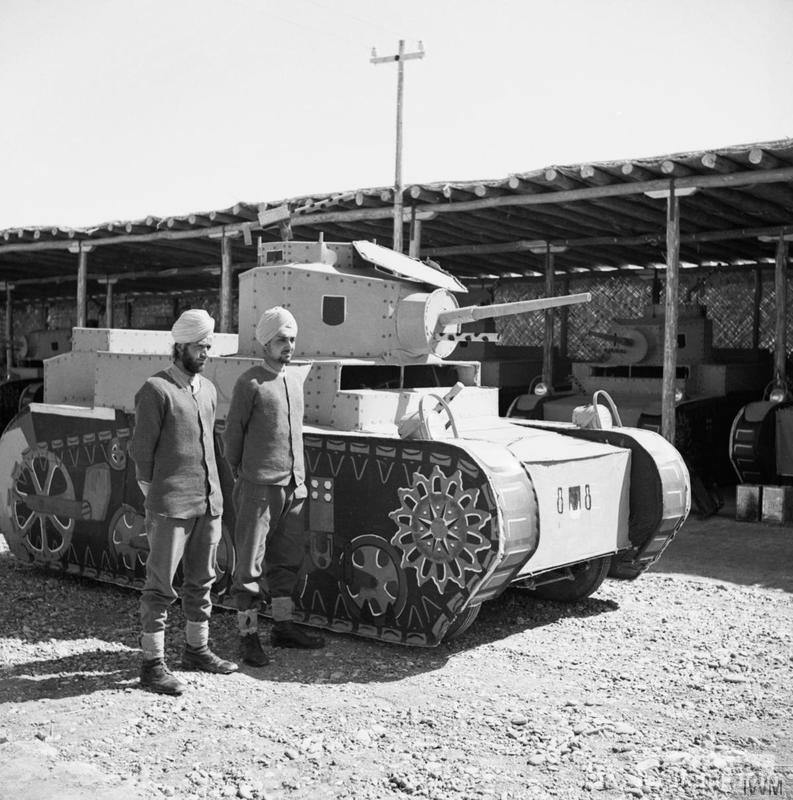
<point>264,447</point>
<point>173,449</point>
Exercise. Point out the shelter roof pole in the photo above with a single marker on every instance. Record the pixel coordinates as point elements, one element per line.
<point>757,296</point>
<point>225,284</point>
<point>564,319</point>
<point>9,329</point>
<point>109,284</point>
<point>670,314</point>
<point>780,302</point>
<point>82,284</point>
<point>415,234</point>
<point>547,342</point>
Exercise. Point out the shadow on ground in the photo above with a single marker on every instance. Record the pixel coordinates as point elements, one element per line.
<point>70,676</point>
<point>721,548</point>
<point>97,624</point>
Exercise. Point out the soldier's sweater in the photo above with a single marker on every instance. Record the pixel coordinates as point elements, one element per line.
<point>173,445</point>
<point>264,427</point>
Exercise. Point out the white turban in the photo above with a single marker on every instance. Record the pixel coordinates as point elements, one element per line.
<point>194,325</point>
<point>272,321</point>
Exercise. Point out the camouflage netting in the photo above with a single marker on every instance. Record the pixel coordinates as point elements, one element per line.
<point>727,297</point>
<point>143,311</point>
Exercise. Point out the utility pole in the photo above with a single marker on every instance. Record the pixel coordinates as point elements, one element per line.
<point>400,57</point>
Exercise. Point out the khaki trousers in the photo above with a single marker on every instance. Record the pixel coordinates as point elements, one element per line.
<point>194,542</point>
<point>269,541</point>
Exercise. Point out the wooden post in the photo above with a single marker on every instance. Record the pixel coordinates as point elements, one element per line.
<point>564,320</point>
<point>9,330</point>
<point>670,315</point>
<point>415,234</point>
<point>780,303</point>
<point>757,297</point>
<point>225,285</point>
<point>547,342</point>
<point>109,283</point>
<point>82,287</point>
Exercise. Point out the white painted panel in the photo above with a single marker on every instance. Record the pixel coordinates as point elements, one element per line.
<point>583,507</point>
<point>119,376</point>
<point>80,412</point>
<point>69,378</point>
<point>141,342</point>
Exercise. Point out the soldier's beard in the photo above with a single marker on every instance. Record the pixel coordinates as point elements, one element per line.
<point>190,364</point>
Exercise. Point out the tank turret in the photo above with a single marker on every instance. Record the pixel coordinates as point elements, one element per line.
<point>361,300</point>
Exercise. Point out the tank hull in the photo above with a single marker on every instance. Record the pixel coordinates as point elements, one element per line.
<point>406,538</point>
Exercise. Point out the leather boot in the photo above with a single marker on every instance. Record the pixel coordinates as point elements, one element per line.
<point>156,677</point>
<point>251,652</point>
<point>202,659</point>
<point>287,634</point>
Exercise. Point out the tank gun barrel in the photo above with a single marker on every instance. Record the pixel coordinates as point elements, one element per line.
<point>457,316</point>
<point>614,338</point>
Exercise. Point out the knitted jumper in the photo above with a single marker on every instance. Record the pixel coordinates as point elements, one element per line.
<point>173,446</point>
<point>264,427</point>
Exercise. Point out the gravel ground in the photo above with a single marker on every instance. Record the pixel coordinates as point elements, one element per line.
<point>676,685</point>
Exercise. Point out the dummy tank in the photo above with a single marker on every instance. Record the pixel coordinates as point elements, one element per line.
<point>24,380</point>
<point>422,502</point>
<point>761,437</point>
<point>711,385</point>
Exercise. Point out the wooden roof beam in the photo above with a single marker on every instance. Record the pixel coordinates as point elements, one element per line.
<point>219,218</point>
<point>718,163</point>
<point>246,211</point>
<point>760,158</point>
<point>649,238</point>
<point>595,176</point>
<point>637,173</point>
<point>556,177</point>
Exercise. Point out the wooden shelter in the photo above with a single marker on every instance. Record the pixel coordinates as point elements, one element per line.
<point>729,208</point>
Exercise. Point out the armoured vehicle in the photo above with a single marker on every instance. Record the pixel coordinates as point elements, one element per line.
<point>422,502</point>
<point>761,438</point>
<point>24,381</point>
<point>712,384</point>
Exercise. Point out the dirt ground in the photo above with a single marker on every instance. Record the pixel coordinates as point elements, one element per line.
<point>676,685</point>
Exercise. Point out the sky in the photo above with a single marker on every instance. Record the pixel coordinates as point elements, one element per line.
<point>120,109</point>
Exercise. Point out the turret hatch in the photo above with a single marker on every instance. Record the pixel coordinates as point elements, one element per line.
<point>407,268</point>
